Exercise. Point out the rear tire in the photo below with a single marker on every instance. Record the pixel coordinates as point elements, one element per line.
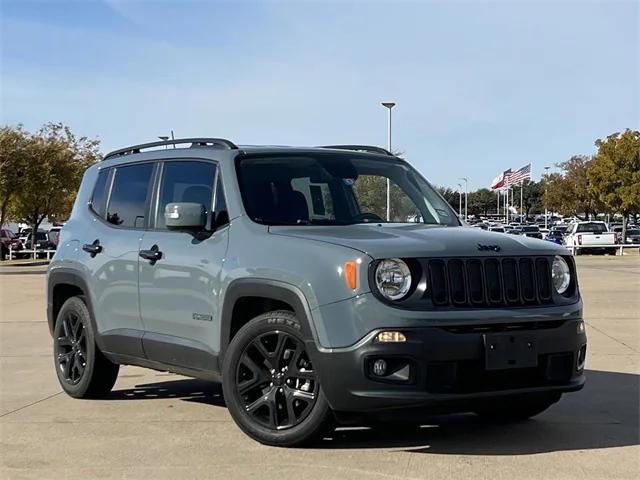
<point>82,370</point>
<point>271,388</point>
<point>515,409</point>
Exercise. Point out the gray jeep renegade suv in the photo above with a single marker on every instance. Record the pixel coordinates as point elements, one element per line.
<point>284,273</point>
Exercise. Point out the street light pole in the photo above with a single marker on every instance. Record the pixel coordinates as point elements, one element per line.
<point>546,210</point>
<point>388,106</point>
<point>460,200</point>
<point>466,189</point>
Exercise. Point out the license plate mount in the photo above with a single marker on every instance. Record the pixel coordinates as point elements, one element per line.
<point>510,350</point>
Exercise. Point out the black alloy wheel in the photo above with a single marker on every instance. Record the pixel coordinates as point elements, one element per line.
<point>276,380</point>
<point>82,370</point>
<point>72,348</point>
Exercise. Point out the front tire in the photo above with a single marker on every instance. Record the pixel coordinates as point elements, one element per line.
<point>82,370</point>
<point>270,385</point>
<point>516,409</point>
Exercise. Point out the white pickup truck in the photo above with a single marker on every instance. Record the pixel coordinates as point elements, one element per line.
<point>584,237</point>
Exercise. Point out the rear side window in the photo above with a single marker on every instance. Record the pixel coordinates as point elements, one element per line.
<point>186,181</point>
<point>128,202</point>
<point>99,200</point>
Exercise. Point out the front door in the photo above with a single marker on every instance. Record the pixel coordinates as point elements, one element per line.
<point>179,290</point>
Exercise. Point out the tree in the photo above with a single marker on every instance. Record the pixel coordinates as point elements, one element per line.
<point>614,174</point>
<point>450,195</point>
<point>13,141</point>
<point>531,197</point>
<point>482,202</point>
<point>54,160</point>
<point>371,191</point>
<point>569,193</point>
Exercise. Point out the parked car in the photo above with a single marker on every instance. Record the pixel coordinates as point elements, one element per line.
<point>497,229</point>
<point>632,234</point>
<point>54,236</point>
<point>269,268</point>
<point>42,241</point>
<point>531,231</point>
<point>590,237</point>
<point>544,232</point>
<point>556,234</point>
<point>8,240</point>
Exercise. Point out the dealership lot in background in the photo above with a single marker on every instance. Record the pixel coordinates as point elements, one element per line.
<point>160,425</point>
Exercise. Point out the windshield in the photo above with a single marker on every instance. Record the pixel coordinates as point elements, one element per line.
<point>337,189</point>
<point>530,229</point>
<point>591,227</point>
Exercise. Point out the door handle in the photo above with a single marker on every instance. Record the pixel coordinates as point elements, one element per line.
<point>153,255</point>
<point>93,248</point>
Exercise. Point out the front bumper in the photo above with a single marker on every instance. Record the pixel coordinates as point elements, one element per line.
<point>447,367</point>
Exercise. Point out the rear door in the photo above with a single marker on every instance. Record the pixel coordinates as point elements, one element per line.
<point>179,292</point>
<point>109,250</point>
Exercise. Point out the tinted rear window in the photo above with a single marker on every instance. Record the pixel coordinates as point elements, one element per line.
<point>128,202</point>
<point>591,227</point>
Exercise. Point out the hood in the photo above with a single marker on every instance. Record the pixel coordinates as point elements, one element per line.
<point>419,240</point>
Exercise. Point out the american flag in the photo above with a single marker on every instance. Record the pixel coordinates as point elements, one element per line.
<point>519,175</point>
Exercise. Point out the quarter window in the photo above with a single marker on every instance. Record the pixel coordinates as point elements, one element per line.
<point>128,201</point>
<point>99,200</point>
<point>186,181</point>
<point>222,214</point>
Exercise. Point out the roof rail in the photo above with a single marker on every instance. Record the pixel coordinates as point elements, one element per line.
<point>195,142</point>
<point>360,148</point>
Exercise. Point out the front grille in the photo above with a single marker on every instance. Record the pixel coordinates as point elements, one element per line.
<point>489,282</point>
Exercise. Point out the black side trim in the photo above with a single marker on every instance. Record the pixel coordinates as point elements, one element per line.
<point>256,287</point>
<point>162,367</point>
<point>126,341</point>
<point>179,352</point>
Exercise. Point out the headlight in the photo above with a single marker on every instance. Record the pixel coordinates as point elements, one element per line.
<point>560,274</point>
<point>393,278</point>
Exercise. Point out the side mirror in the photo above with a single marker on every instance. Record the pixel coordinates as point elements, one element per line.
<point>185,216</point>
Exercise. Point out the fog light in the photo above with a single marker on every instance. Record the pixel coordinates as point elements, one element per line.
<point>391,337</point>
<point>580,327</point>
<point>582,357</point>
<point>379,367</point>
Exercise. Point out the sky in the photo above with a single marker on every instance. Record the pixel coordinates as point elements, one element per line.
<point>480,86</point>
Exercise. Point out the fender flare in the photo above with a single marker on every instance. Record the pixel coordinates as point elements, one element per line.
<point>273,289</point>
<point>67,276</point>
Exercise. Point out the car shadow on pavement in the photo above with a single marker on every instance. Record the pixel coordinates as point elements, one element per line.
<point>604,414</point>
<point>189,390</point>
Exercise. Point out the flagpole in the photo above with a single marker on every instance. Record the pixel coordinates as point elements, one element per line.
<point>521,190</point>
<point>508,202</point>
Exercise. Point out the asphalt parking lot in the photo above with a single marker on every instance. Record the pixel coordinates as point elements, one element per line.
<point>159,425</point>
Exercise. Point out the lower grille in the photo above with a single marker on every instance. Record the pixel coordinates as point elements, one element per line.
<point>489,282</point>
<point>470,376</point>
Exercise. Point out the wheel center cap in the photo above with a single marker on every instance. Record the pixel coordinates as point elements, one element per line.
<point>278,379</point>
